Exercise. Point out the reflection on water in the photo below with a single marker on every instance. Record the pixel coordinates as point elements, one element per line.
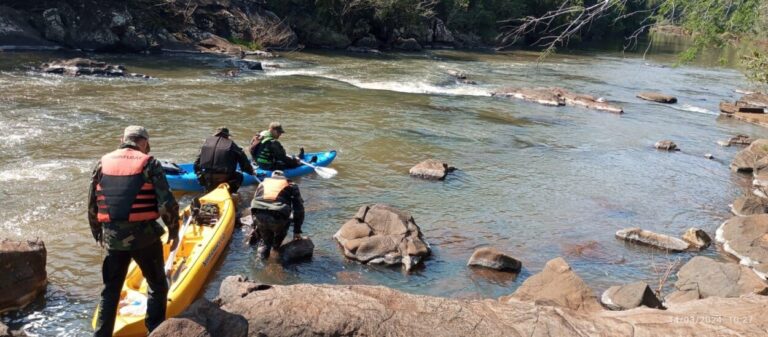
<point>534,181</point>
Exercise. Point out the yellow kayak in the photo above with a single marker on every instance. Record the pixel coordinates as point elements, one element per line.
<point>199,249</point>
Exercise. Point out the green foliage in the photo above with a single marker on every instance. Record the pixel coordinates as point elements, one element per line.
<point>757,67</point>
<point>252,45</point>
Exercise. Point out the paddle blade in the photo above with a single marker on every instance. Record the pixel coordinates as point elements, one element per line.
<point>326,172</point>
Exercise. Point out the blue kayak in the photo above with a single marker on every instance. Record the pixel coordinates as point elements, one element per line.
<point>181,177</point>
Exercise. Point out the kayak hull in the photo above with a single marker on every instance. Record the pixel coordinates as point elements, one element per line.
<point>201,246</point>
<point>186,180</point>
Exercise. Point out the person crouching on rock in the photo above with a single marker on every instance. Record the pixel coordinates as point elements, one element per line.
<point>271,208</point>
<point>218,160</point>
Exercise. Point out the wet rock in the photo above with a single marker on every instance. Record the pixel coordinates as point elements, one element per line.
<point>363,50</point>
<point>746,160</point>
<point>460,77</point>
<point>630,296</point>
<point>431,169</point>
<point>556,97</point>
<point>87,67</point>
<point>380,233</point>
<point>296,250</point>
<point>359,310</point>
<point>749,205</point>
<point>666,145</point>
<point>16,33</point>
<point>753,100</point>
<point>656,240</point>
<point>538,95</point>
<point>556,285</point>
<point>409,44</point>
<point>245,65</point>
<point>728,108</point>
<point>709,156</point>
<point>740,140</point>
<point>492,258</point>
<point>217,45</point>
<point>657,97</point>
<point>719,279</point>
<point>22,273</point>
<point>203,319</point>
<point>747,239</point>
<point>697,239</point>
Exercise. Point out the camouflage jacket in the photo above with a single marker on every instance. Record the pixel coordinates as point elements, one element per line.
<point>125,235</point>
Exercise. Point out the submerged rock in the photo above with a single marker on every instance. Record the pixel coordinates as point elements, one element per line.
<point>380,233</point>
<point>666,145</point>
<point>296,250</point>
<point>697,239</point>
<point>630,296</point>
<point>746,238</point>
<point>747,159</point>
<point>656,240</point>
<point>203,318</point>
<point>431,169</point>
<point>556,285</point>
<point>749,205</point>
<point>719,279</point>
<point>82,66</point>
<point>657,97</point>
<point>556,97</point>
<point>492,258</point>
<point>22,273</point>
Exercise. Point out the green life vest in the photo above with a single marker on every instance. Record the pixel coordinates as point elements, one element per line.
<point>266,155</point>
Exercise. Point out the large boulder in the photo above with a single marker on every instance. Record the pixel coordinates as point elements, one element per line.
<point>747,159</point>
<point>16,33</point>
<point>746,238</point>
<point>22,273</point>
<point>711,278</point>
<point>442,33</point>
<point>380,233</point>
<point>489,257</point>
<point>357,310</point>
<point>586,101</point>
<point>431,169</point>
<point>296,250</point>
<point>656,240</point>
<point>556,285</point>
<point>630,296</point>
<point>749,205</point>
<point>657,97</point>
<point>203,319</point>
<point>755,100</point>
<point>697,239</point>
<point>541,96</point>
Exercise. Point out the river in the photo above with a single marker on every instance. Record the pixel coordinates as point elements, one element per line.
<point>537,182</point>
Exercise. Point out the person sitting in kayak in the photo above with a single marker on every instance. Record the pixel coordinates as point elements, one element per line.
<point>275,198</point>
<point>253,149</point>
<point>218,160</point>
<point>270,155</point>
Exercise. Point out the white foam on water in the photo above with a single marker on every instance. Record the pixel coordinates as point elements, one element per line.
<point>691,108</point>
<point>417,87</point>
<point>44,171</point>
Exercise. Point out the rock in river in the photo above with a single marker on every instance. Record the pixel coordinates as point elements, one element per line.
<point>557,96</point>
<point>22,273</point>
<point>666,145</point>
<point>747,239</point>
<point>747,159</point>
<point>652,239</point>
<point>203,319</point>
<point>720,279</point>
<point>492,258</point>
<point>296,250</point>
<point>556,285</point>
<point>749,205</point>
<point>630,296</point>
<point>82,66</point>
<point>657,97</point>
<point>697,239</point>
<point>431,169</point>
<point>380,233</point>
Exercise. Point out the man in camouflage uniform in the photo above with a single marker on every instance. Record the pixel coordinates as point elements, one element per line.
<point>128,192</point>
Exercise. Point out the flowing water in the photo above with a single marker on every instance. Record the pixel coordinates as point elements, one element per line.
<point>535,181</point>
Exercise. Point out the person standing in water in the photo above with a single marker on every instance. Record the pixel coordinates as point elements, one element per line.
<point>128,193</point>
<point>218,160</point>
<point>271,208</point>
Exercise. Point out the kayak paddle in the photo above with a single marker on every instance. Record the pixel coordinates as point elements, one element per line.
<point>172,254</point>
<point>323,172</point>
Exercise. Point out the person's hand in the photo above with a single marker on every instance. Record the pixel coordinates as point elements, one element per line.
<point>99,237</point>
<point>297,236</point>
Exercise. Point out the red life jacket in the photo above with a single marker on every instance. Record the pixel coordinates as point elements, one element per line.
<point>122,194</point>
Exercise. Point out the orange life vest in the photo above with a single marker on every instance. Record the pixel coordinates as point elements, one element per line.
<point>122,193</point>
<point>273,187</point>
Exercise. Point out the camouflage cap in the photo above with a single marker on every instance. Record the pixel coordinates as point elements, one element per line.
<point>135,131</point>
<point>276,126</point>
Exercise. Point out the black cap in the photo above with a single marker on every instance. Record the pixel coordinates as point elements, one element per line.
<point>222,132</point>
